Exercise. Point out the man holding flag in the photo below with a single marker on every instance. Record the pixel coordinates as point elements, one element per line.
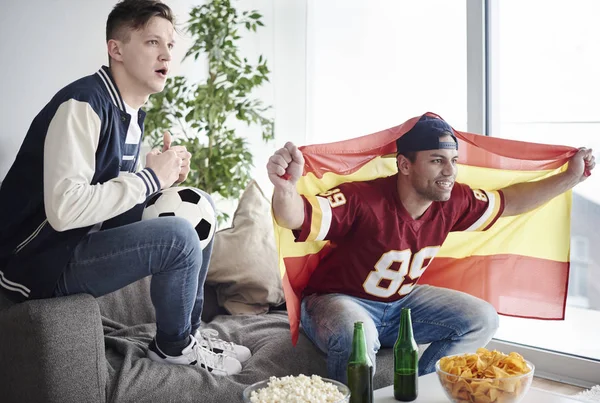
<point>383,235</point>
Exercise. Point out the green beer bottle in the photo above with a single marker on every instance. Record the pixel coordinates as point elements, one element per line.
<point>406,361</point>
<point>360,368</point>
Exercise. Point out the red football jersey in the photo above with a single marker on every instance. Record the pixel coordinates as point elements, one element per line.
<point>379,251</point>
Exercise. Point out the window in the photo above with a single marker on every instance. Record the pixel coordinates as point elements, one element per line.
<point>523,70</point>
<point>543,59</point>
<point>578,276</point>
<point>373,64</point>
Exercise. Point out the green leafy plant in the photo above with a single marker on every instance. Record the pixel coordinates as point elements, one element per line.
<point>204,111</point>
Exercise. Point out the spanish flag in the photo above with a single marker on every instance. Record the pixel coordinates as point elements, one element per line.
<point>520,265</point>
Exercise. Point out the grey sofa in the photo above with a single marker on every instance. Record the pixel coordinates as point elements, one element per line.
<point>81,349</point>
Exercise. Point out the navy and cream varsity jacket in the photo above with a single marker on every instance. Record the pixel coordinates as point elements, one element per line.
<point>73,171</point>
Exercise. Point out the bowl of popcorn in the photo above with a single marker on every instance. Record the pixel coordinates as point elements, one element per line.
<point>297,389</point>
<point>485,377</point>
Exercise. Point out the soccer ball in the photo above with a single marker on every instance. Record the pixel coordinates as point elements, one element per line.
<point>184,202</point>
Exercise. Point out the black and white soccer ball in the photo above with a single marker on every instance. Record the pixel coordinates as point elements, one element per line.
<point>184,202</point>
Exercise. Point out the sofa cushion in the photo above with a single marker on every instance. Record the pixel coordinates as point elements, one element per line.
<point>52,350</point>
<point>5,303</point>
<point>244,265</point>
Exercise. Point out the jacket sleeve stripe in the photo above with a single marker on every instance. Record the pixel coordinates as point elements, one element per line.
<point>11,285</point>
<point>143,177</point>
<point>150,180</point>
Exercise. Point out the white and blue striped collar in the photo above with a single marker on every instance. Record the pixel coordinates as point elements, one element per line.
<point>111,86</point>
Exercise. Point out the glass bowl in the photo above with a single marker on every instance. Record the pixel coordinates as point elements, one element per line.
<point>487,390</point>
<point>263,384</point>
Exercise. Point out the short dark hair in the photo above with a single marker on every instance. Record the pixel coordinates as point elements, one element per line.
<point>410,155</point>
<point>134,14</point>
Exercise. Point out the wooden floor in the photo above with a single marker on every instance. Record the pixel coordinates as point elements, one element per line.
<point>556,387</point>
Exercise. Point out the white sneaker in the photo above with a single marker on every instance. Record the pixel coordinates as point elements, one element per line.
<point>208,339</point>
<point>195,354</point>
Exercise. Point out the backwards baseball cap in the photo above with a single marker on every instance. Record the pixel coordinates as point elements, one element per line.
<point>425,135</point>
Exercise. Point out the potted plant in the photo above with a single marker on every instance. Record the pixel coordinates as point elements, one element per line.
<point>203,112</point>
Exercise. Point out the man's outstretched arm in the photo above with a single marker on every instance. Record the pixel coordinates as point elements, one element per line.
<point>523,197</point>
<point>285,168</point>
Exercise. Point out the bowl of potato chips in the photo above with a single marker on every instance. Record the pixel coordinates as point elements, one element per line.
<point>485,377</point>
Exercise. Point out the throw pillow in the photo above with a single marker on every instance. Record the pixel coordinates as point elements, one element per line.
<point>244,264</point>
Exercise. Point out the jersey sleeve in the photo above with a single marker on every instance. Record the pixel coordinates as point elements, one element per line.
<point>328,215</point>
<point>477,209</point>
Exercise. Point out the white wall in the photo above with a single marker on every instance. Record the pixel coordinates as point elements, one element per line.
<point>48,50</point>
<point>46,45</point>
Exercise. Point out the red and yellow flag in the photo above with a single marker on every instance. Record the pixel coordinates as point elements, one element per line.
<point>520,265</point>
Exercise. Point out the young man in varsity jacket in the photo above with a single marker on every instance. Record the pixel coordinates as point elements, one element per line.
<point>66,202</point>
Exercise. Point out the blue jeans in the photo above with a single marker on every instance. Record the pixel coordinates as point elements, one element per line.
<point>166,248</point>
<point>451,322</point>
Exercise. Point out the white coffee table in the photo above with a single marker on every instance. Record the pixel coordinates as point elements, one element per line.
<point>430,391</point>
